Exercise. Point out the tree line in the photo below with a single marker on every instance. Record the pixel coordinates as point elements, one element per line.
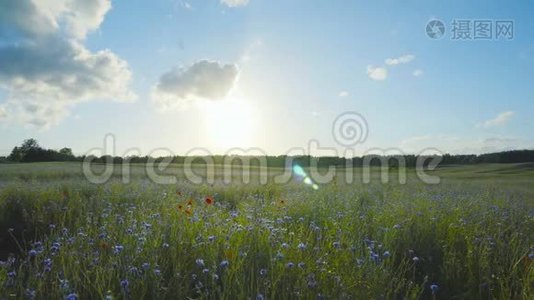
<point>31,151</point>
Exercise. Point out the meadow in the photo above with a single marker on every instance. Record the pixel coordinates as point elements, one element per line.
<point>469,237</point>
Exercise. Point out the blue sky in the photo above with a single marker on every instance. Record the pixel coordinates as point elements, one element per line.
<point>266,74</point>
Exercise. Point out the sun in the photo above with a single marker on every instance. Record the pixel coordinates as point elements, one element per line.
<point>230,123</point>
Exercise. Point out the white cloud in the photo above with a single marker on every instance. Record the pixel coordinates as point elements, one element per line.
<point>46,69</point>
<point>418,73</point>
<point>234,3</point>
<point>377,73</point>
<point>3,113</point>
<point>400,60</point>
<point>500,120</point>
<point>343,94</point>
<point>203,80</point>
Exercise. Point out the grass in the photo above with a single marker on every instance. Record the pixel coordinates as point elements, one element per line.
<point>472,236</point>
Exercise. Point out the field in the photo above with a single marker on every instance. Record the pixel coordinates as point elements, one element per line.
<point>469,237</point>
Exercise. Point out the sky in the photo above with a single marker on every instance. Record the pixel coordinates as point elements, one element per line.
<point>267,76</point>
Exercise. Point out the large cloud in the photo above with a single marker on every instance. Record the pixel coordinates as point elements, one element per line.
<point>45,67</point>
<point>500,120</point>
<point>203,80</point>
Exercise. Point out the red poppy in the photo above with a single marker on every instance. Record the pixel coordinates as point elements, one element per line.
<point>209,200</point>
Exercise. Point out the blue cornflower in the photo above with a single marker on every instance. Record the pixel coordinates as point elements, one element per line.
<point>285,245</point>
<point>260,297</point>
<point>224,264</point>
<point>531,256</point>
<point>145,266</point>
<point>12,274</point>
<point>30,294</point>
<point>157,272</point>
<point>200,262</point>
<point>434,288</point>
<point>302,246</point>
<point>211,238</point>
<point>263,272</point>
<point>386,254</point>
<point>125,283</point>
<point>72,296</point>
<point>336,245</point>
<point>301,265</point>
<point>118,249</point>
<point>134,270</point>
<point>205,271</point>
<point>396,226</point>
<point>32,252</point>
<point>290,265</point>
<point>415,259</point>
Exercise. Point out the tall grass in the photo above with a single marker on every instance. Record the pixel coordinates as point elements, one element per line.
<point>140,240</point>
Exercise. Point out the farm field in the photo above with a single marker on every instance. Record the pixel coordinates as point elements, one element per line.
<point>469,237</point>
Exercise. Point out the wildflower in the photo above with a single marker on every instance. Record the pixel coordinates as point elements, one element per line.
<point>157,272</point>
<point>386,254</point>
<point>209,200</point>
<point>200,262</point>
<point>336,245</point>
<point>12,274</point>
<point>124,284</point>
<point>302,246</point>
<point>396,226</point>
<point>531,256</point>
<point>211,238</point>
<point>263,272</point>
<point>260,297</point>
<point>180,207</point>
<point>205,271</point>
<point>118,249</point>
<point>30,294</point>
<point>415,259</point>
<point>224,264</point>
<point>189,202</point>
<point>72,296</point>
<point>104,245</point>
<point>290,265</point>
<point>434,288</point>
<point>165,245</point>
<point>301,265</point>
<point>285,245</point>
<point>32,252</point>
<point>134,270</point>
<point>145,266</point>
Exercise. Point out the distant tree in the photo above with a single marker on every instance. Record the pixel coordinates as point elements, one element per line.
<point>29,145</point>
<point>66,152</point>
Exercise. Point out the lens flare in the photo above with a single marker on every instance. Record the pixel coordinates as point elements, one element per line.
<point>302,176</point>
